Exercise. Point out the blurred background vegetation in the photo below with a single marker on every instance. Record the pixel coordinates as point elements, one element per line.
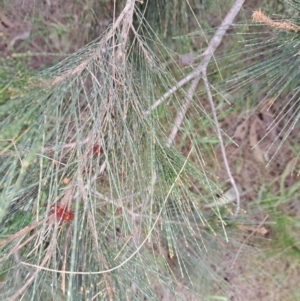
<point>253,76</point>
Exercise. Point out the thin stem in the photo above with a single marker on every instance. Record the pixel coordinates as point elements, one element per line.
<point>182,111</point>
<point>202,67</point>
<point>227,167</point>
<point>41,267</point>
<point>247,238</point>
<point>33,276</point>
<point>178,85</point>
<point>207,54</point>
<point>201,71</point>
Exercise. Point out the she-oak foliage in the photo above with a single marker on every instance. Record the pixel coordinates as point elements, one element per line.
<point>93,202</point>
<point>94,205</point>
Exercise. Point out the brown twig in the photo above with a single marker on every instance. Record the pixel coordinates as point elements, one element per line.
<point>202,72</point>
<point>202,67</point>
<point>22,232</point>
<point>33,276</point>
<point>63,275</point>
<point>223,151</point>
<point>259,16</point>
<point>207,55</point>
<point>19,246</point>
<point>125,17</point>
<point>248,237</point>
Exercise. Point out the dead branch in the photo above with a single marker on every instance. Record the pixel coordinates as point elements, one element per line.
<point>201,72</point>
<point>207,55</point>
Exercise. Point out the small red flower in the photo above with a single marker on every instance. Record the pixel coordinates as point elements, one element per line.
<point>61,214</point>
<point>97,149</point>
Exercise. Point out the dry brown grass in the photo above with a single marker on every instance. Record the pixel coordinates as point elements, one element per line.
<point>260,17</point>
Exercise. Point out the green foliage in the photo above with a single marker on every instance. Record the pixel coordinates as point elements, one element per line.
<point>109,202</point>
<point>94,205</point>
<point>266,70</point>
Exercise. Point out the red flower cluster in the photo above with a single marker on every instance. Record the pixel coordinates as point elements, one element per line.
<point>61,213</point>
<point>97,149</point>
